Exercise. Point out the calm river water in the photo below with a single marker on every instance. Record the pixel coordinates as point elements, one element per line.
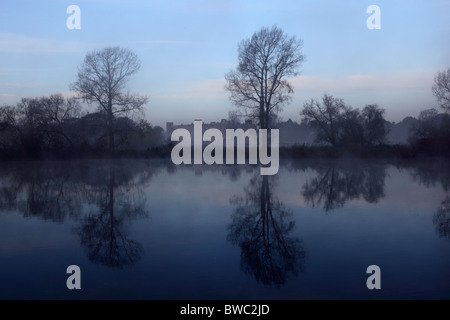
<point>147,229</point>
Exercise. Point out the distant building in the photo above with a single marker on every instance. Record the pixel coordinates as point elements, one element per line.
<point>222,126</point>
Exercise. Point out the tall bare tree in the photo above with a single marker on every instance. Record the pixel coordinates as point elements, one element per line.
<point>101,79</point>
<point>441,89</point>
<point>259,83</point>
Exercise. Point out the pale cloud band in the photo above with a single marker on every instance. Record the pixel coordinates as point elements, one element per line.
<point>19,43</point>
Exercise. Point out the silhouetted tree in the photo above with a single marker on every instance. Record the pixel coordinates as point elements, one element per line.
<point>431,133</point>
<point>372,122</point>
<point>261,227</point>
<point>426,126</point>
<point>58,112</point>
<point>39,124</point>
<point>259,83</point>
<point>32,123</point>
<point>11,134</point>
<point>441,89</point>
<point>342,125</point>
<point>350,127</point>
<point>101,79</point>
<point>325,117</point>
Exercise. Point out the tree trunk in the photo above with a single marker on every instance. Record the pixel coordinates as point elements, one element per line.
<point>261,116</point>
<point>110,131</point>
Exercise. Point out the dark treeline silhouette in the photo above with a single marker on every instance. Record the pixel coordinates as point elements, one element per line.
<point>431,133</point>
<point>342,126</point>
<point>54,125</point>
<point>261,227</point>
<point>345,129</point>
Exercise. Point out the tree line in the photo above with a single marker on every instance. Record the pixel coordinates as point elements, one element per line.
<point>55,125</point>
<point>259,86</point>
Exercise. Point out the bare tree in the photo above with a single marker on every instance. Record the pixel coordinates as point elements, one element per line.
<point>36,123</point>
<point>259,83</point>
<point>101,79</point>
<point>325,117</point>
<point>10,127</point>
<point>372,122</point>
<point>441,89</point>
<point>57,109</point>
<point>339,124</point>
<point>425,127</point>
<point>57,112</point>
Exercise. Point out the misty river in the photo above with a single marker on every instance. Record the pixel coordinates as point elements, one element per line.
<point>148,229</point>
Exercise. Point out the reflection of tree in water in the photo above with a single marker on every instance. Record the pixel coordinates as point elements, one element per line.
<point>45,192</point>
<point>103,233</point>
<point>336,183</point>
<point>431,173</point>
<point>260,227</point>
<point>110,192</point>
<point>442,219</point>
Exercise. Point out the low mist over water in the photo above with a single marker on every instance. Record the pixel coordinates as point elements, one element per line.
<point>147,229</point>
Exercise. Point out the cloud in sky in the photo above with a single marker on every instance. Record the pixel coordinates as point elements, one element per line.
<point>19,43</point>
<point>397,80</point>
<point>6,98</point>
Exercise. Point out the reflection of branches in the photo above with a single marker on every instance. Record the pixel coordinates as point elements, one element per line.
<point>442,219</point>
<point>431,173</point>
<point>9,191</point>
<point>260,228</point>
<point>103,234</point>
<point>56,190</point>
<point>335,184</point>
<point>45,192</point>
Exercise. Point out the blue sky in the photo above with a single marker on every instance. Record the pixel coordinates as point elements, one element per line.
<point>186,48</point>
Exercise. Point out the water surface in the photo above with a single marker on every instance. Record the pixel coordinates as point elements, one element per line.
<point>146,229</point>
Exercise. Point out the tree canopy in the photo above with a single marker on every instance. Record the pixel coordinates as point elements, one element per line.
<point>101,79</point>
<point>260,84</point>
